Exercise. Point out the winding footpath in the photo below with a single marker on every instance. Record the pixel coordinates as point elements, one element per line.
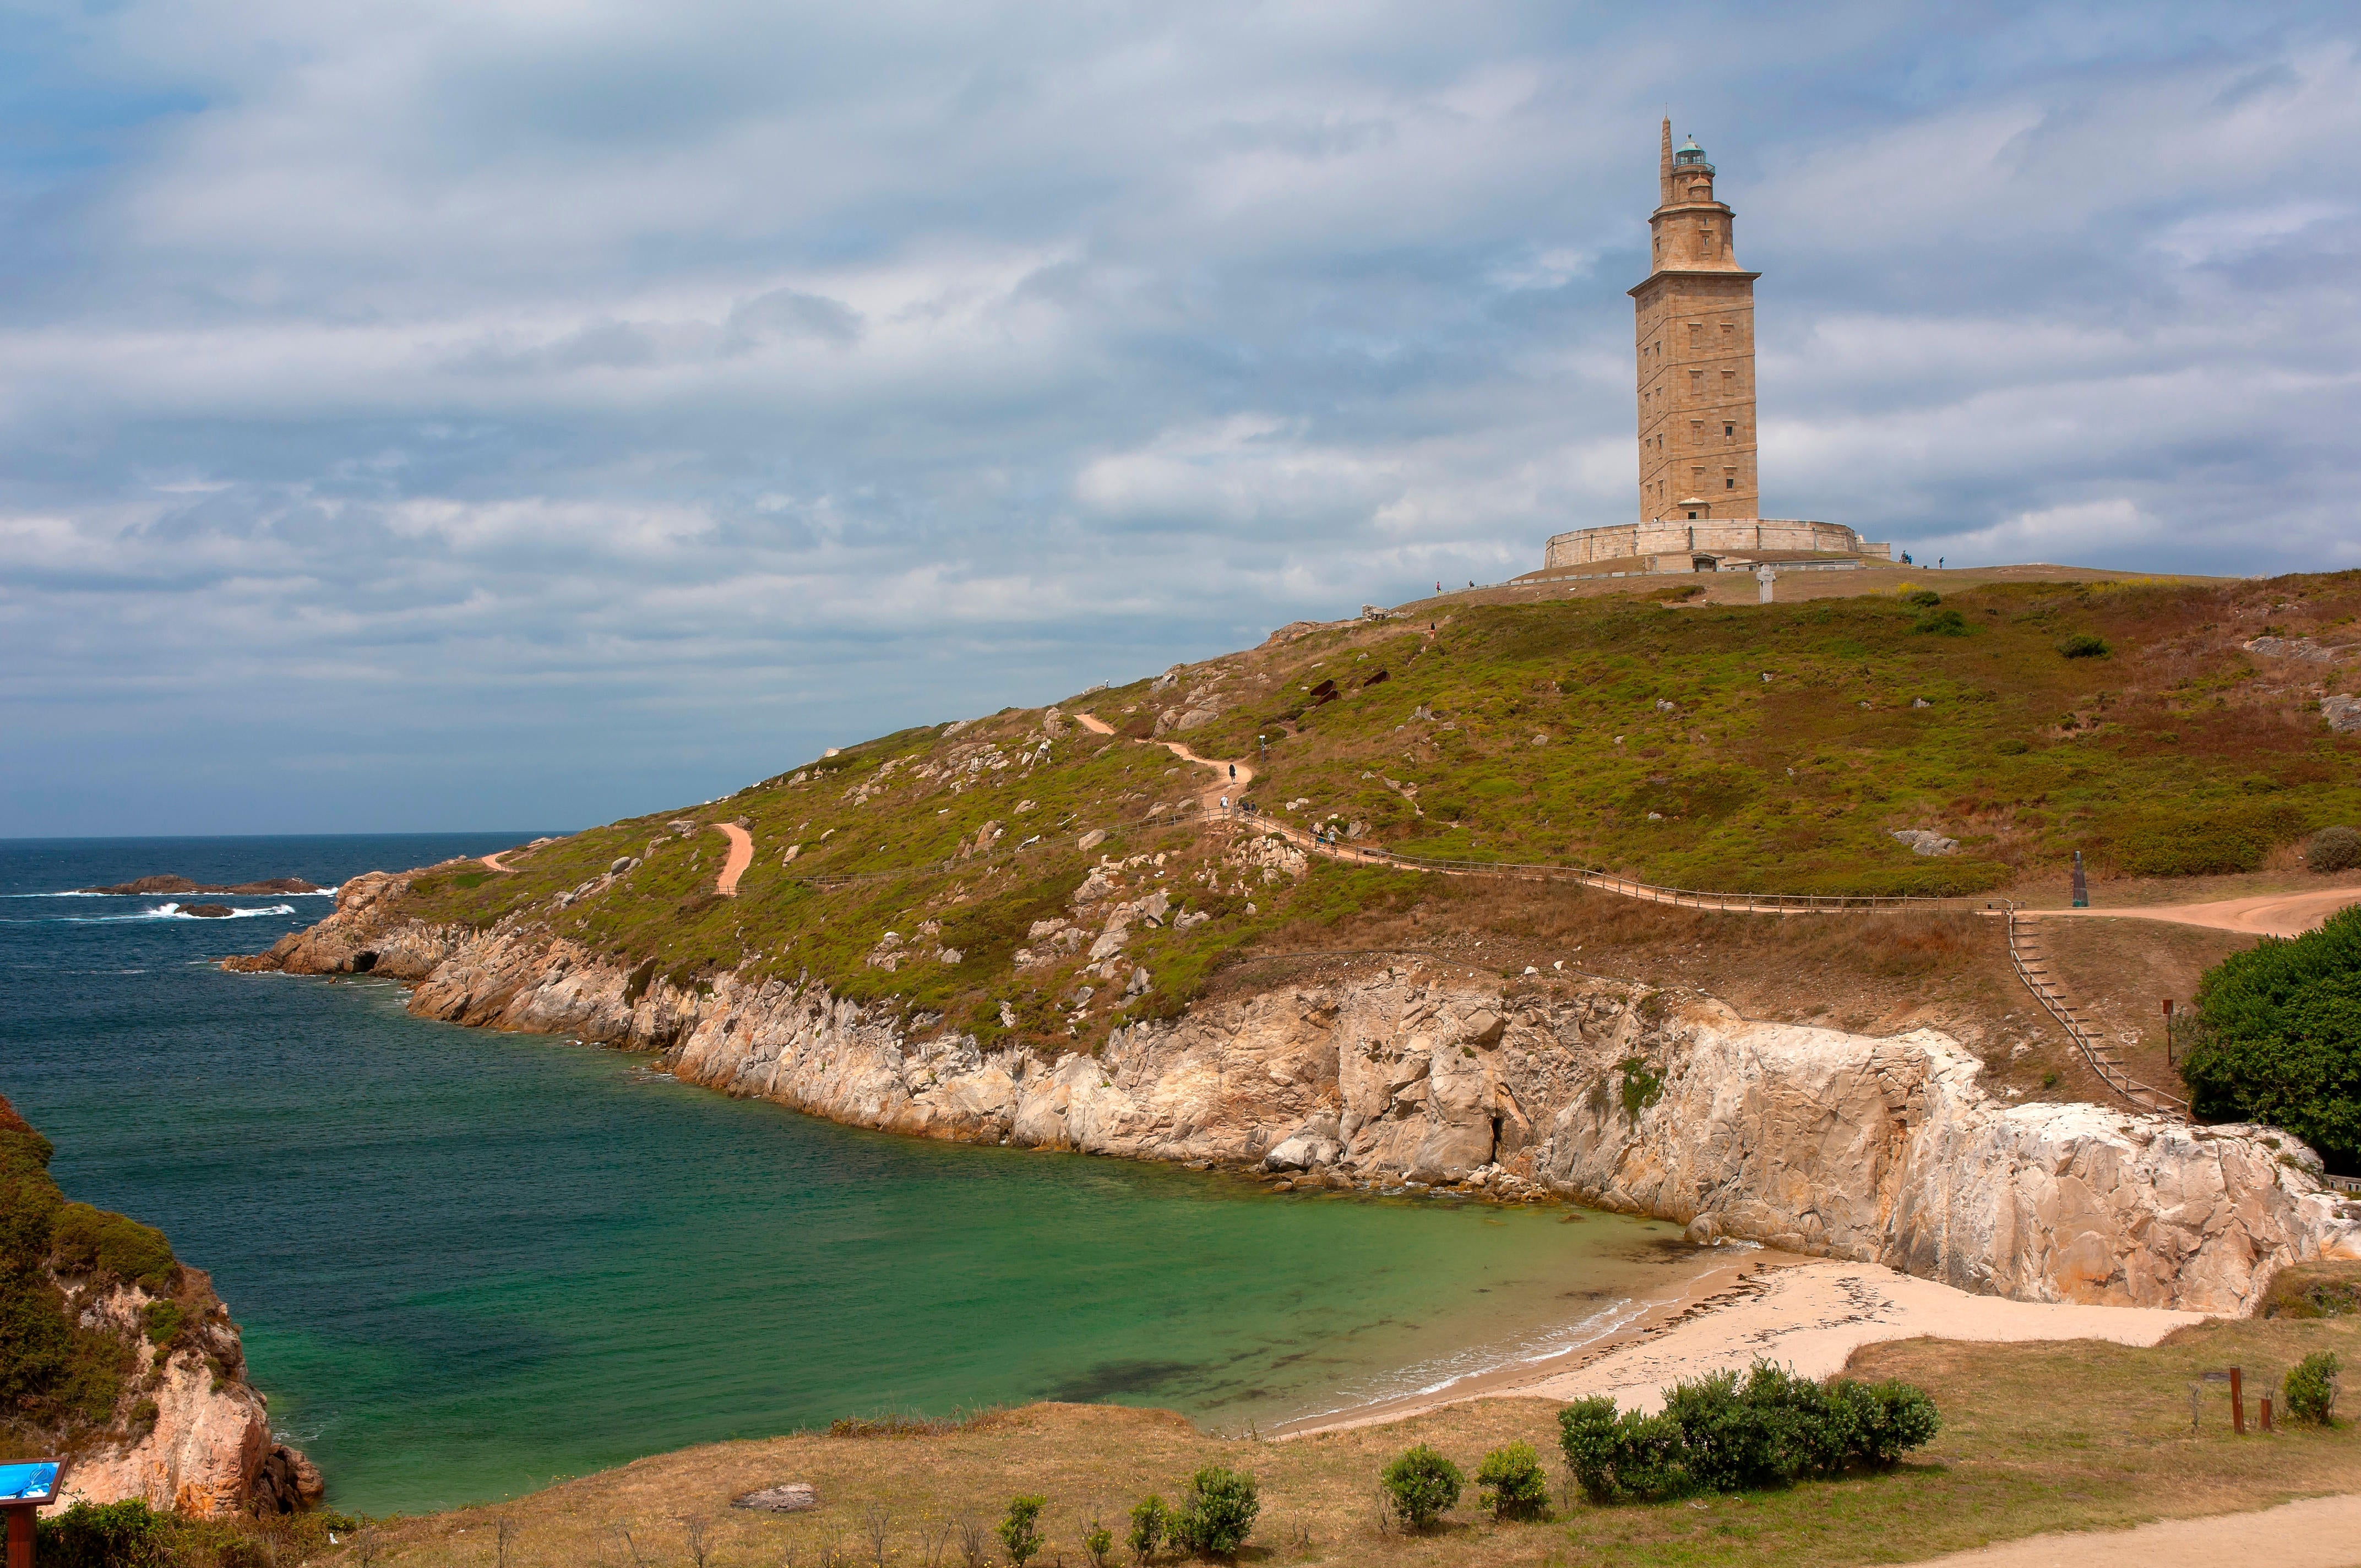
<point>2263,914</point>
<point>741,855</point>
<point>2267,915</point>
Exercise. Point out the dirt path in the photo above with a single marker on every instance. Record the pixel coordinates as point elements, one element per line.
<point>2318,1533</point>
<point>741,855</point>
<point>492,862</point>
<point>1095,724</point>
<point>2264,914</point>
<point>1229,785</point>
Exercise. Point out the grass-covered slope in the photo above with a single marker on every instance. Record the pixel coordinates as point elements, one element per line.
<point>1775,748</point>
<point>1771,748</point>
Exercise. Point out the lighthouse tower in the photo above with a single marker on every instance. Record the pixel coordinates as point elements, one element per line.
<point>1694,319</point>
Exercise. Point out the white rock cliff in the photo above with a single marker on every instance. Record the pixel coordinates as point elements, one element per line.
<point>1813,1140</point>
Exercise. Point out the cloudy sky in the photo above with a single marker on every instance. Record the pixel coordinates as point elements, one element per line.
<point>522,414</point>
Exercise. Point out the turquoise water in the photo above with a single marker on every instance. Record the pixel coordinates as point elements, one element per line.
<point>468,1262</point>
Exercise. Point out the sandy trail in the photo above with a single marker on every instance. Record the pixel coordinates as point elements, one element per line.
<point>492,862</point>
<point>1095,724</point>
<point>1809,1317</point>
<point>1231,783</point>
<point>741,855</point>
<point>2318,1532</point>
<point>2263,914</point>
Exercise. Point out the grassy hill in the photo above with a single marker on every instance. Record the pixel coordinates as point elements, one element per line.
<point>1748,748</point>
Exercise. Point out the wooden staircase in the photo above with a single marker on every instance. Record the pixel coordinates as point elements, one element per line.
<point>2024,951</point>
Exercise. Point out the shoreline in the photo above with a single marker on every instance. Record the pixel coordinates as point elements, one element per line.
<point>1701,1293</point>
<point>1806,1313</point>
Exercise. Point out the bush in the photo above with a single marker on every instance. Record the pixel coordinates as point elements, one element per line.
<point>2312,1389</point>
<point>1097,1540</point>
<point>1020,1529</point>
<point>87,1240</point>
<point>2278,1037</point>
<point>160,1320</point>
<point>1422,1486</point>
<point>1621,1457</point>
<point>1216,1517</point>
<point>2085,645</point>
<point>101,1535</point>
<point>1882,1422</point>
<point>2333,850</point>
<point>1511,1485</point>
<point>1720,1434</point>
<point>1151,1523</point>
<point>1922,599</point>
<point>1941,623</point>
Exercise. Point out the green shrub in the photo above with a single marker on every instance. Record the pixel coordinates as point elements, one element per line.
<point>1765,1431</point>
<point>1622,1457</point>
<point>1422,1486</point>
<point>1216,1517</point>
<point>2312,1389</point>
<point>1720,1433</point>
<point>2333,850</point>
<point>1020,1529</point>
<point>160,1320</point>
<point>2085,645</point>
<point>1097,1541</point>
<point>1882,1421</point>
<point>103,1535</point>
<point>1511,1485</point>
<point>2278,1037</point>
<point>1922,599</point>
<point>1642,1087</point>
<point>87,1240</point>
<point>1151,1525</point>
<point>1941,623</point>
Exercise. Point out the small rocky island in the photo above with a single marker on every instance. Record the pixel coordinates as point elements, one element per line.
<point>180,884</point>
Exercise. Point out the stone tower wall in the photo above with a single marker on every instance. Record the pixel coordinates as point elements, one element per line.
<point>1694,341</point>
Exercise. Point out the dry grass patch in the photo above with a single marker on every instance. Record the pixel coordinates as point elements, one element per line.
<point>2039,1436</point>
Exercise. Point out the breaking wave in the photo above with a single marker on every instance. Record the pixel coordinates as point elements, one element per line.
<point>162,912</point>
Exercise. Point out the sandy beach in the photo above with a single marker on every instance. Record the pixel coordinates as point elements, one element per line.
<point>1807,1314</point>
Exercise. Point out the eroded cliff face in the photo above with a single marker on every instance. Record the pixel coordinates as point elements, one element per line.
<point>1877,1149</point>
<point>190,1433</point>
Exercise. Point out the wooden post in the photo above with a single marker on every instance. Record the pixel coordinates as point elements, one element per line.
<point>2237,1401</point>
<point>20,1536</point>
<point>2266,1412</point>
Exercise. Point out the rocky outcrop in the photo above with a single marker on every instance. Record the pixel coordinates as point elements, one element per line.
<point>1871,1149</point>
<point>150,1402</point>
<point>177,884</point>
<point>190,1433</point>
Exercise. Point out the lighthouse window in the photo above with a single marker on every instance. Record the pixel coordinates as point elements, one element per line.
<point>1730,484</point>
<point>1729,429</point>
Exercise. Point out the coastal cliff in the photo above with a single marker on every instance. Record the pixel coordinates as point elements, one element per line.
<point>1669,1104</point>
<point>122,1360</point>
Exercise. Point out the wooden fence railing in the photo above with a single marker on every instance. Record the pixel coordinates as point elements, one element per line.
<point>2033,969</point>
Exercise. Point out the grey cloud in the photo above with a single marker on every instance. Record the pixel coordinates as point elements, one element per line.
<point>784,313</point>
<point>471,418</point>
